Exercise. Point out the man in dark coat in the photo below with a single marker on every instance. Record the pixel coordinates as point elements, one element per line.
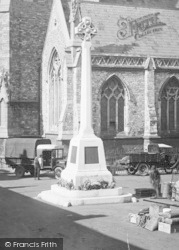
<point>155,180</point>
<point>36,168</point>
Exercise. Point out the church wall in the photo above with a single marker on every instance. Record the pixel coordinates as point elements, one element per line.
<point>20,125</point>
<point>116,149</point>
<point>133,80</point>
<point>4,41</point>
<point>56,39</point>
<point>28,26</point>
<point>4,66</point>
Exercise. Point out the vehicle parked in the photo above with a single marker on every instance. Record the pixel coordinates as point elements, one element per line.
<point>53,158</point>
<point>20,154</point>
<point>160,155</point>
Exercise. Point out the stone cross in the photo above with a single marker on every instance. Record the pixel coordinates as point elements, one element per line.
<point>86,30</point>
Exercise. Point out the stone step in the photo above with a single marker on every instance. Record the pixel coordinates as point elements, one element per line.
<point>57,196</point>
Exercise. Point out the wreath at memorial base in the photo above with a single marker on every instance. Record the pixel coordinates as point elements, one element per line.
<point>87,185</point>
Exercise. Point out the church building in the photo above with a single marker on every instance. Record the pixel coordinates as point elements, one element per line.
<point>135,71</point>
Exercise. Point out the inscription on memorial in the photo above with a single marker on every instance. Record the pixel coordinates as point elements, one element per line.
<point>73,154</point>
<point>91,155</point>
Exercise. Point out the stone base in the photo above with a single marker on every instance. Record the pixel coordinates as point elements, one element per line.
<point>64,197</point>
<point>86,161</point>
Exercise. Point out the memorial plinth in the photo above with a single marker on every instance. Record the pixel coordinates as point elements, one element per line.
<point>64,197</point>
<point>86,162</point>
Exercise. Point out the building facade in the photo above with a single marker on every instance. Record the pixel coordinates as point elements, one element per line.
<point>23,30</point>
<point>135,71</point>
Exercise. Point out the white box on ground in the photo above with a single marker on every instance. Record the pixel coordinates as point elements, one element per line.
<point>167,228</point>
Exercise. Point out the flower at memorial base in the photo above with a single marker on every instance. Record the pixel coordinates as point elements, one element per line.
<point>104,184</point>
<point>96,185</point>
<point>86,185</point>
<point>70,185</point>
<point>112,185</point>
<point>65,184</point>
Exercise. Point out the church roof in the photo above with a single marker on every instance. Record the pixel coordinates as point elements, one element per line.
<point>135,30</point>
<point>162,4</point>
<point>66,9</point>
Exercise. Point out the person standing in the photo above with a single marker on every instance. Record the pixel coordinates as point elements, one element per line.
<point>155,180</point>
<point>41,161</point>
<point>176,164</point>
<point>36,168</point>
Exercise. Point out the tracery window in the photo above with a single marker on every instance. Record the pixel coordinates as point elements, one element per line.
<point>112,106</point>
<point>170,106</point>
<point>54,91</point>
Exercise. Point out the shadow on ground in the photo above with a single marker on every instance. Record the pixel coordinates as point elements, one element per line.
<point>5,174</point>
<point>23,217</point>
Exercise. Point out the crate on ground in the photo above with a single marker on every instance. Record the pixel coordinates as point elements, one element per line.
<point>134,218</point>
<point>168,228</point>
<point>144,192</point>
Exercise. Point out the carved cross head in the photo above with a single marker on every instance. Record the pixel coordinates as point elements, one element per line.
<point>86,30</point>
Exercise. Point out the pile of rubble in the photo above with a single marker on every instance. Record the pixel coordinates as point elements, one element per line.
<point>157,217</point>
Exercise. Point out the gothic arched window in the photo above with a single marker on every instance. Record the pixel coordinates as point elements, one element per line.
<point>170,106</point>
<point>54,91</point>
<point>112,107</point>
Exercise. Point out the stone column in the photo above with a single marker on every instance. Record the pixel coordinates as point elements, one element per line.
<point>86,158</point>
<point>86,129</point>
<point>150,121</point>
<point>75,14</point>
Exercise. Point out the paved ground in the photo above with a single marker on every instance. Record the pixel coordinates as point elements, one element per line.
<point>92,227</point>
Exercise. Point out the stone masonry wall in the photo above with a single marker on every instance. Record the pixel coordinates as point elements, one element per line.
<point>133,80</point>
<point>28,27</point>
<point>4,59</point>
<point>57,39</point>
<point>4,41</point>
<point>21,125</point>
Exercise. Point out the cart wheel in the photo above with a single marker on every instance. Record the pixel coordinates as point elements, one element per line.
<point>58,171</point>
<point>131,170</point>
<point>20,171</point>
<point>143,169</point>
<point>167,169</point>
